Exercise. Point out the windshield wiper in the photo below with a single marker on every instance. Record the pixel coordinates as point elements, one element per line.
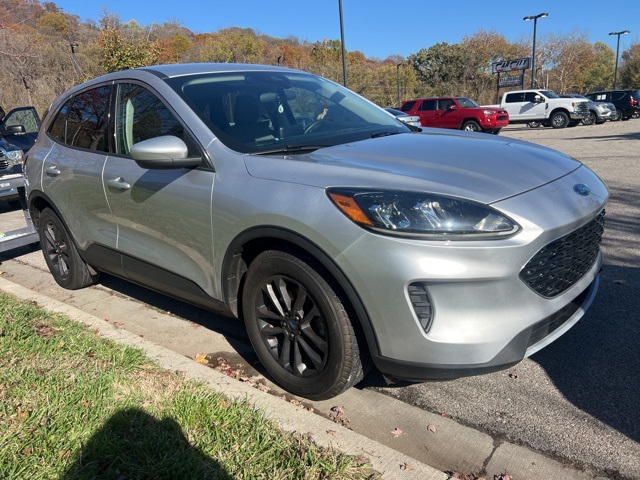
<point>384,134</point>
<point>292,149</point>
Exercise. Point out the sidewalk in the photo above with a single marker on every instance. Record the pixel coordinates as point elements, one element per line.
<point>423,445</point>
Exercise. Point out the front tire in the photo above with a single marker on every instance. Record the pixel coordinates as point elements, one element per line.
<point>559,120</point>
<point>69,270</point>
<point>590,119</point>
<point>299,327</point>
<point>471,126</point>
<point>534,124</point>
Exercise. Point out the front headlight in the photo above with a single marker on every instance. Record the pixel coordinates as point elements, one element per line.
<point>423,215</point>
<point>14,156</point>
<point>489,112</point>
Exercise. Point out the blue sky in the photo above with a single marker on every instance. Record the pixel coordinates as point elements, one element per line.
<point>380,28</point>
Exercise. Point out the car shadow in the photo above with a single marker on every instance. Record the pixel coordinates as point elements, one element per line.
<point>595,365</point>
<point>133,444</point>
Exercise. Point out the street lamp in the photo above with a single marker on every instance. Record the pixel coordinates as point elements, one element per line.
<point>398,77</point>
<point>344,53</point>
<point>533,55</point>
<point>615,75</point>
<point>73,58</point>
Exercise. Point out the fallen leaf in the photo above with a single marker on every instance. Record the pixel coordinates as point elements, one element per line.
<point>406,466</point>
<point>513,375</point>
<point>396,432</point>
<point>202,358</point>
<point>339,410</point>
<point>331,432</point>
<point>432,428</point>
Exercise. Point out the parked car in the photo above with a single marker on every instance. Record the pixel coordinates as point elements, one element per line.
<point>10,172</point>
<point>627,102</point>
<point>345,242</point>
<point>411,120</point>
<point>599,112</point>
<point>456,112</point>
<point>20,126</point>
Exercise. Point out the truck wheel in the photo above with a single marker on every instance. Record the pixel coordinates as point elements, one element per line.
<point>617,116</point>
<point>299,327</point>
<point>471,126</point>
<point>559,120</point>
<point>534,124</point>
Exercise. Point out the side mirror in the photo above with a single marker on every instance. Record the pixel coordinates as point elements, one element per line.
<point>453,106</point>
<point>538,99</point>
<point>162,153</point>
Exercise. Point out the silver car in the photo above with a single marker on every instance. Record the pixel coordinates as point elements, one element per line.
<point>340,237</point>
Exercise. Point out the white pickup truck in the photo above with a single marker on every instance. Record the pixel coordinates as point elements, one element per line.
<point>543,107</point>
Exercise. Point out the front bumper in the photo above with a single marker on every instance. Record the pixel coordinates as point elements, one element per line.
<point>481,316</point>
<point>9,185</point>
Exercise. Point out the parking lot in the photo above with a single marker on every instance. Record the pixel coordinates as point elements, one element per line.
<point>576,400</point>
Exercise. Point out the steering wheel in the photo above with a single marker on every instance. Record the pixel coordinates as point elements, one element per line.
<point>314,126</point>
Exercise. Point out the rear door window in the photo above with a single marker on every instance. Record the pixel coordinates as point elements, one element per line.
<point>87,119</point>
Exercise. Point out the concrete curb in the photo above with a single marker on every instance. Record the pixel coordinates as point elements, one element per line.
<point>390,463</point>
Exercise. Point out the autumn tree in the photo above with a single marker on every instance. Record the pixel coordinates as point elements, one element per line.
<point>442,68</point>
<point>125,45</point>
<point>599,73</point>
<point>566,58</point>
<point>629,72</point>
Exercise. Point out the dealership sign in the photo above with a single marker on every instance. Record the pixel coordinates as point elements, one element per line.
<point>511,81</point>
<point>511,65</point>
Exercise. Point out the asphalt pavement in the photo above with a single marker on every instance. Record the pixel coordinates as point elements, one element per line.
<point>569,412</point>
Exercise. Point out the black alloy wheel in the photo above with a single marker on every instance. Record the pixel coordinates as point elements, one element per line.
<point>61,255</point>
<point>299,327</point>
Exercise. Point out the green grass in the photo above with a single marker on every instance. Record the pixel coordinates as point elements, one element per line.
<point>76,406</point>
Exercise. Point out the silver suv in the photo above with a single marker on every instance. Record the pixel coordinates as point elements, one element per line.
<point>340,237</point>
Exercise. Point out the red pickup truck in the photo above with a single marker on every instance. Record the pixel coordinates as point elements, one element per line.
<point>456,112</point>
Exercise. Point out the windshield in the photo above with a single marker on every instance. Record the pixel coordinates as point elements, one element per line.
<point>549,94</point>
<point>466,102</point>
<point>264,111</point>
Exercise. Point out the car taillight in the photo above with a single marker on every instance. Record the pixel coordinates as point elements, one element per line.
<point>633,101</point>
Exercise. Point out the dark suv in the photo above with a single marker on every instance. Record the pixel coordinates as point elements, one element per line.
<point>627,102</point>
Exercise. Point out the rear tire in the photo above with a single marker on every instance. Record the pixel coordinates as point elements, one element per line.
<point>534,124</point>
<point>299,327</point>
<point>61,255</point>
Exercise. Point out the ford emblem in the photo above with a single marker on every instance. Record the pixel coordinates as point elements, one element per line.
<point>581,189</point>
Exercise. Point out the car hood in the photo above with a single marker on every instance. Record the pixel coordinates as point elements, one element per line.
<point>477,166</point>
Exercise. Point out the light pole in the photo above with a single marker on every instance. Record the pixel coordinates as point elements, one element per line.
<point>73,58</point>
<point>344,53</point>
<point>398,77</point>
<point>533,54</point>
<point>615,75</point>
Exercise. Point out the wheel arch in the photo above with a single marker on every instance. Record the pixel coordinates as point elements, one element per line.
<point>250,243</point>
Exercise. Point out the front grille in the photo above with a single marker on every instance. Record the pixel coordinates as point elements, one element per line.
<point>560,264</point>
<point>502,117</point>
<point>582,107</point>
